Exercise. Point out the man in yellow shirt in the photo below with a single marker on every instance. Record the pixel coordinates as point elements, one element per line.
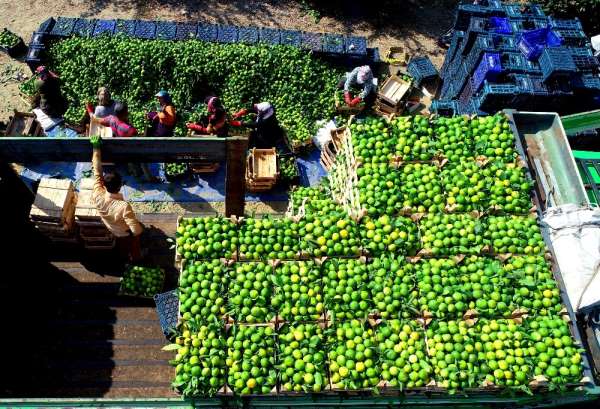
<point>115,212</point>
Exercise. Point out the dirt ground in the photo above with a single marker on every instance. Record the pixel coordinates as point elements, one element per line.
<point>411,24</point>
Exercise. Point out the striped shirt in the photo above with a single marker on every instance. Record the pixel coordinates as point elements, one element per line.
<point>119,128</point>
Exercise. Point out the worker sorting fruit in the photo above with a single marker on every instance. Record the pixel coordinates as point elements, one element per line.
<point>48,96</point>
<point>266,131</point>
<point>217,119</point>
<point>360,77</point>
<point>163,121</point>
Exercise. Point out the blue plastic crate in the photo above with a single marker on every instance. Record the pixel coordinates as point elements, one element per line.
<point>355,46</point>
<point>572,38</point>
<point>63,27</point>
<point>46,26</point>
<point>466,92</point>
<point>500,25</point>
<point>585,63</point>
<point>455,44</point>
<point>125,27</point>
<point>527,11</point>
<point>312,41</point>
<point>494,97</point>
<point>519,26</point>
<point>145,29</point>
<point>84,27</point>
<point>207,32</point>
<point>504,42</point>
<point>104,27</point>
<point>587,82</point>
<point>166,30</point>
<point>290,37</point>
<point>581,51</point>
<point>227,34</point>
<point>333,43</point>
<point>248,35</point>
<point>478,25</point>
<point>167,309</point>
<point>443,108</point>
<point>488,69</point>
<point>517,63</point>
<point>269,35</point>
<point>566,24</point>
<point>36,55</point>
<point>38,39</point>
<point>556,61</point>
<point>421,69</point>
<point>532,43</point>
<point>186,31</point>
<point>466,11</point>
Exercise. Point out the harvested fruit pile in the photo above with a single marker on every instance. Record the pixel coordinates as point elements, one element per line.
<point>299,86</point>
<point>8,39</point>
<point>142,281</point>
<point>441,279</point>
<point>176,169</point>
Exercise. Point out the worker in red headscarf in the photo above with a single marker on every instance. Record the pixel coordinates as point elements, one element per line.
<point>48,96</point>
<point>217,119</point>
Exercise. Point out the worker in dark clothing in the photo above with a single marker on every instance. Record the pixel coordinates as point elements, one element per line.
<point>48,96</point>
<point>216,121</point>
<point>362,78</point>
<point>163,121</point>
<point>266,132</point>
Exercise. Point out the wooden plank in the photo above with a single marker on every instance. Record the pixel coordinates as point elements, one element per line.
<point>24,149</point>
<point>235,183</point>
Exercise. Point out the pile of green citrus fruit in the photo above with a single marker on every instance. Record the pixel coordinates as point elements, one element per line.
<point>396,235</point>
<point>465,186</point>
<point>493,138</point>
<point>514,234</point>
<point>372,141</point>
<point>334,234</point>
<point>268,239</point>
<point>176,169</point>
<point>414,138</point>
<point>250,292</point>
<point>303,364</point>
<point>421,188</point>
<point>508,188</point>
<point>447,234</point>
<point>8,39</point>
<point>345,284</point>
<point>298,293</point>
<point>379,189</point>
<point>392,286</point>
<point>202,288</point>
<point>206,238</point>
<point>142,281</point>
<point>453,138</point>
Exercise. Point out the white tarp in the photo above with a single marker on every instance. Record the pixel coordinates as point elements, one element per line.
<point>575,235</point>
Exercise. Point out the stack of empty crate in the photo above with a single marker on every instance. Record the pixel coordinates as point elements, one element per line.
<point>261,170</point>
<point>53,210</point>
<point>92,231</point>
<point>514,56</point>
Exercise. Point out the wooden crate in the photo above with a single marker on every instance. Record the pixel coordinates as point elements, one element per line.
<point>342,108</point>
<point>94,128</point>
<point>85,211</point>
<point>262,165</point>
<point>201,167</point>
<point>23,124</point>
<point>392,91</point>
<point>54,202</point>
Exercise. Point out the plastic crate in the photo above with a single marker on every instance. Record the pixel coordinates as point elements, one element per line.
<point>36,55</point>
<point>587,82</point>
<point>500,25</point>
<point>312,41</point>
<point>46,26</point>
<point>466,92</point>
<point>556,61</point>
<point>455,44</point>
<point>63,27</point>
<point>478,25</point>
<point>566,24</point>
<point>585,63</point>
<point>488,69</point>
<point>207,32</point>
<point>166,30</point>
<point>125,27</point>
<point>186,31</point>
<point>38,39</point>
<point>466,11</point>
<point>290,37</point>
<point>248,35</point>
<point>504,42</point>
<point>519,26</point>
<point>333,43</point>
<point>421,69</point>
<point>581,51</point>
<point>355,46</point>
<point>443,108</point>
<point>167,309</point>
<point>84,27</point>
<point>517,63</point>
<point>145,29</point>
<point>494,97</point>
<point>527,11</point>
<point>268,35</point>
<point>532,43</point>
<point>572,38</point>
<point>227,34</point>
<point>106,27</point>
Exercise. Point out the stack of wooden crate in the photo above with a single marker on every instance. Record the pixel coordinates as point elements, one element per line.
<point>390,96</point>
<point>261,170</point>
<point>53,211</point>
<point>92,231</point>
<point>332,148</point>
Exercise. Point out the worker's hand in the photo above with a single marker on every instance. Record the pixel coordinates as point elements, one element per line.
<point>235,123</point>
<point>190,125</point>
<point>355,101</point>
<point>89,107</point>
<point>240,113</point>
<point>96,141</point>
<point>348,98</point>
<point>151,115</point>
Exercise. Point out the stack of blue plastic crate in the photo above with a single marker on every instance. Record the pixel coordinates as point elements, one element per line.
<point>495,62</point>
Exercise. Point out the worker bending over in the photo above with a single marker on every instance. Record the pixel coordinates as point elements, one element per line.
<point>48,96</point>
<point>115,212</point>
<point>217,119</point>
<point>266,131</point>
<point>360,77</point>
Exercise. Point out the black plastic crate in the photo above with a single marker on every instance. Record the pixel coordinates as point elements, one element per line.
<point>35,57</point>
<point>312,41</point>
<point>495,97</point>
<point>125,27</point>
<point>504,42</point>
<point>333,43</point>
<point>443,108</point>
<point>572,38</point>
<point>290,37</point>
<point>207,32</point>
<point>518,26</point>
<point>248,35</point>
<point>515,62</point>
<point>84,27</point>
<point>186,31</point>
<point>556,61</point>
<point>46,25</point>
<point>565,24</point>
<point>227,34</point>
<point>466,93</point>
<point>585,63</point>
<point>38,39</point>
<point>421,69</point>
<point>356,46</point>
<point>166,30</point>
<point>63,27</point>
<point>106,27</point>
<point>526,11</point>
<point>466,11</point>
<point>145,29</point>
<point>268,35</point>
<point>581,51</point>
<point>588,82</point>
<point>167,309</point>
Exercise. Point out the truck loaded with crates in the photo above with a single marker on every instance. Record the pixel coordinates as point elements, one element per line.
<point>444,261</point>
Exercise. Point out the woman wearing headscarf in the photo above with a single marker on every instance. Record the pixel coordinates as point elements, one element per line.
<point>360,77</point>
<point>217,119</point>
<point>266,131</point>
<point>48,96</point>
<point>163,122</point>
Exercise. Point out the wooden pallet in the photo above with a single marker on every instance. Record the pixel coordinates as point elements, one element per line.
<point>23,124</point>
